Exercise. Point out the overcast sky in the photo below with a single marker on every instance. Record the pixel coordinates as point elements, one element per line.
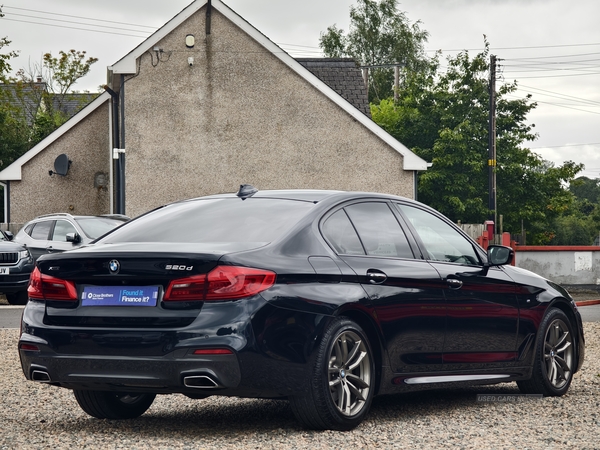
<point>551,47</point>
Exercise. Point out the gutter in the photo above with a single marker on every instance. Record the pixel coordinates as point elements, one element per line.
<point>117,137</point>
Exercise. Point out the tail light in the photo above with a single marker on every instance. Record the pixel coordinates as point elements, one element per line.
<point>28,347</point>
<point>213,351</point>
<point>46,287</point>
<point>221,283</point>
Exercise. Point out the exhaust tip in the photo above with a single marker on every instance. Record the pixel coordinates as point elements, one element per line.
<point>41,376</point>
<point>200,382</point>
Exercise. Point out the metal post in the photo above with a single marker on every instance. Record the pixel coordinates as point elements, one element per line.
<point>396,82</point>
<point>492,142</point>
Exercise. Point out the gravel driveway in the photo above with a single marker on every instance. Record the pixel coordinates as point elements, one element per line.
<point>38,416</point>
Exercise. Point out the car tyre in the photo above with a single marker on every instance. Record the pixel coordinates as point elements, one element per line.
<point>342,385</point>
<point>113,405</point>
<point>18,298</point>
<point>554,362</point>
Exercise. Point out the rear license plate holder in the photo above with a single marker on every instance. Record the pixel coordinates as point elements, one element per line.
<point>119,296</point>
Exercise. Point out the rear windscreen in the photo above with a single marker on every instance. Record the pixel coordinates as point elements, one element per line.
<point>94,227</point>
<point>214,220</point>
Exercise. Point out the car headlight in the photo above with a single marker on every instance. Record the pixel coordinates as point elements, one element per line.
<point>23,254</point>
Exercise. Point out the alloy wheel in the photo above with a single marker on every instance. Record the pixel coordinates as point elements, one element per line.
<point>349,373</point>
<point>558,353</point>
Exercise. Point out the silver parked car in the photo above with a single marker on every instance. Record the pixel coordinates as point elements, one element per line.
<point>52,233</point>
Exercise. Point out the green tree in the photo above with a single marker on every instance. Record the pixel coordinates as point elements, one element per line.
<point>5,58</point>
<point>443,117</point>
<point>379,34</point>
<point>59,75</point>
<point>580,224</point>
<point>574,229</point>
<point>13,127</point>
<point>586,188</point>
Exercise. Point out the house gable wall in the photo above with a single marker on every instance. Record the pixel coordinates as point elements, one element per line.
<point>240,115</point>
<point>87,146</point>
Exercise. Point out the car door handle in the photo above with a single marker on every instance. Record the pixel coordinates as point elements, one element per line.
<point>376,277</point>
<point>453,283</point>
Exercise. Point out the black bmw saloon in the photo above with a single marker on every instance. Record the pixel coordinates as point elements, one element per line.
<point>326,298</point>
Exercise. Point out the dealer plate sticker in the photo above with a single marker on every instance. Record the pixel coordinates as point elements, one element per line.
<point>119,296</point>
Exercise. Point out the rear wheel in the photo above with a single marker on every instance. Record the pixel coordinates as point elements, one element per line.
<point>342,385</point>
<point>113,405</point>
<point>17,298</point>
<point>554,357</point>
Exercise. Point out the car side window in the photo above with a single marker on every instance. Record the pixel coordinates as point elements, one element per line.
<point>442,242</point>
<point>340,233</point>
<point>41,230</point>
<point>29,228</point>
<point>61,228</point>
<point>379,230</point>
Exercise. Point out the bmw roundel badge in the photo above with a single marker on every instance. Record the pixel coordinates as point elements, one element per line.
<point>114,266</point>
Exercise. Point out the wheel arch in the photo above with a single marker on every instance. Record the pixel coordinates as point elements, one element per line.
<point>564,305</point>
<point>369,326</point>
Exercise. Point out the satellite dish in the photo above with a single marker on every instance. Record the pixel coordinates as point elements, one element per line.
<point>61,165</point>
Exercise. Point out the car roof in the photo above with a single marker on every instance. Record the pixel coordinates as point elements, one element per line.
<point>307,195</point>
<point>73,216</point>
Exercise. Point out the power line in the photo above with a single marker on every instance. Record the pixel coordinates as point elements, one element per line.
<point>79,17</point>
<point>583,62</point>
<point>567,145</point>
<point>78,23</point>
<point>514,48</point>
<point>549,69</point>
<point>75,28</point>
<point>565,75</point>
<point>556,104</point>
<point>550,57</point>
<point>304,46</point>
<point>564,96</point>
<point>294,45</point>
<point>294,48</point>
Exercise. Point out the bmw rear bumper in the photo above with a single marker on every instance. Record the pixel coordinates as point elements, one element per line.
<point>271,354</point>
<point>171,373</point>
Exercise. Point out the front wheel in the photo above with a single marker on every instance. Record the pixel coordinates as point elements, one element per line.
<point>113,405</point>
<point>342,384</point>
<point>554,357</point>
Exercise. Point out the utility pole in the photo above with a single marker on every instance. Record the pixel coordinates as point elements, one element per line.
<point>492,143</point>
<point>396,83</point>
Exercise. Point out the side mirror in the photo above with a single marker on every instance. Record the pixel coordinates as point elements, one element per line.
<point>74,238</point>
<point>499,255</point>
<point>9,235</point>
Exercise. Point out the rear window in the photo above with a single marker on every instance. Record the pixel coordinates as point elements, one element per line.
<point>94,227</point>
<point>259,220</point>
<point>41,230</point>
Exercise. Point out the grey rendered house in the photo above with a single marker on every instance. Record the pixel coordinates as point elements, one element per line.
<point>203,105</point>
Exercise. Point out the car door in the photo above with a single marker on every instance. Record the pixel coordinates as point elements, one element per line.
<point>405,292</point>
<point>39,238</point>
<point>482,307</point>
<point>58,239</point>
